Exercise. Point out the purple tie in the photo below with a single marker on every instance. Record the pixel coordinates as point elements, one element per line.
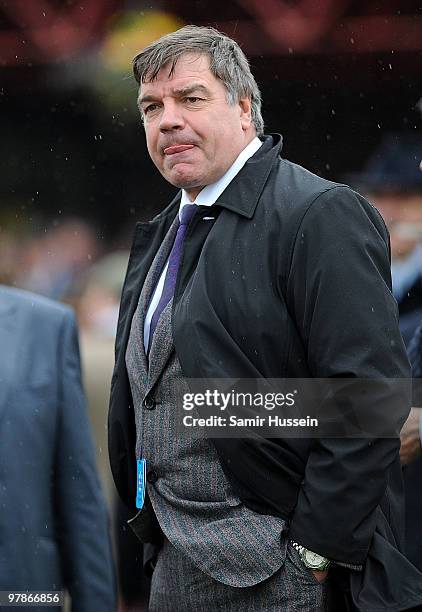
<point>174,260</point>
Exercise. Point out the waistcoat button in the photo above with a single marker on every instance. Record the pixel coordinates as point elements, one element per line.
<point>149,403</point>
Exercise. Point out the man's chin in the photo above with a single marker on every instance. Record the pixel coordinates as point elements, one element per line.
<point>183,180</point>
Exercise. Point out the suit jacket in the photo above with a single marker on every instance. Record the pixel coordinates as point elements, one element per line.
<point>291,280</point>
<point>53,521</point>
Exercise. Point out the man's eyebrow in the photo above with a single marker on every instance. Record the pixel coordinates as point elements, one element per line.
<point>180,92</point>
<point>189,89</point>
<point>147,98</point>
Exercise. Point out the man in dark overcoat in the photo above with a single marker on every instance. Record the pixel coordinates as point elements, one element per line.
<point>257,270</point>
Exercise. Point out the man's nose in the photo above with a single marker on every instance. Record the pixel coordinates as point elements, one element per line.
<point>171,117</point>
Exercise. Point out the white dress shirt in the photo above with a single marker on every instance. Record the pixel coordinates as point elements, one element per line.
<point>206,197</point>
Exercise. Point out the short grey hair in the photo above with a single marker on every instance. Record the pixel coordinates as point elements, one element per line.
<point>227,62</point>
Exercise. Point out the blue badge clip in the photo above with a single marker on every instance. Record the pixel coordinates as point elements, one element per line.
<point>141,466</point>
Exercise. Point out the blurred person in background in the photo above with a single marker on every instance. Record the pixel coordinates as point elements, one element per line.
<point>277,267</point>
<point>54,531</point>
<point>51,263</point>
<point>393,183</point>
<point>99,289</point>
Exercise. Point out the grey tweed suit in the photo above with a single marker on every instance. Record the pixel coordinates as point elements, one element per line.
<point>217,553</point>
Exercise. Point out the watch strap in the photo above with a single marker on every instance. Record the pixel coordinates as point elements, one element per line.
<point>297,546</point>
<point>300,549</point>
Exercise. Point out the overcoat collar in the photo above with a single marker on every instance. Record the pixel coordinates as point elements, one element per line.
<point>242,194</point>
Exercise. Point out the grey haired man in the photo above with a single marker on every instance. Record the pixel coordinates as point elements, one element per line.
<point>240,277</point>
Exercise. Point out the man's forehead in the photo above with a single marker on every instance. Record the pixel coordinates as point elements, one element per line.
<point>187,66</point>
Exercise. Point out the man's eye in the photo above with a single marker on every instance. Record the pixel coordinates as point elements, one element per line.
<point>150,108</point>
<point>192,99</point>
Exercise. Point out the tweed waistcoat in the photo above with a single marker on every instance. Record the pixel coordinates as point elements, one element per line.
<point>192,499</point>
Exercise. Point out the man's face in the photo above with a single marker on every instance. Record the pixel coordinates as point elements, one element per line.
<point>193,134</point>
<point>402,213</point>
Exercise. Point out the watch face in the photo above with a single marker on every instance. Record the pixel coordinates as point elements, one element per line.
<point>313,560</point>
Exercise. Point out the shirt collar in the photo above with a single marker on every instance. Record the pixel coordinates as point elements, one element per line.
<point>210,193</point>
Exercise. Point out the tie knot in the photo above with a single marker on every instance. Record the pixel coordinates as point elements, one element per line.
<point>187,213</point>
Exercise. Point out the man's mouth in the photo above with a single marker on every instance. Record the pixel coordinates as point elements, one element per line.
<point>177,149</point>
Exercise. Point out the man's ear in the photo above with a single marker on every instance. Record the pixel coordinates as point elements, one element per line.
<point>245,113</point>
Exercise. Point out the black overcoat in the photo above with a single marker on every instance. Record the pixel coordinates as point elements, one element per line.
<point>291,279</point>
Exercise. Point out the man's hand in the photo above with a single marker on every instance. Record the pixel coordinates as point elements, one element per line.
<point>320,576</point>
<point>410,439</point>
